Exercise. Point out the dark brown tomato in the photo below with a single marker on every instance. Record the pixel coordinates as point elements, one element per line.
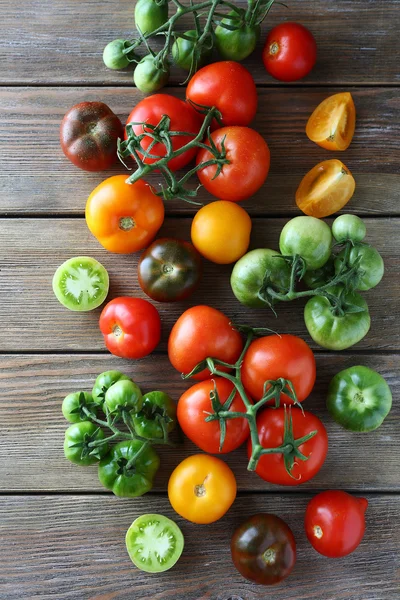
<point>264,549</point>
<point>169,270</point>
<point>88,135</point>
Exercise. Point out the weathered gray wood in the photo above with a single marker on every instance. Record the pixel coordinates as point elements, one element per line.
<point>73,547</point>
<point>61,41</point>
<point>33,319</point>
<point>36,177</point>
<point>31,443</point>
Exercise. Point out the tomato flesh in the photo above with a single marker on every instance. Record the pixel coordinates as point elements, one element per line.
<point>332,123</point>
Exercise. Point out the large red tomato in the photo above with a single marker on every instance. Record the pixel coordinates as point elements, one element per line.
<point>290,52</point>
<point>276,356</point>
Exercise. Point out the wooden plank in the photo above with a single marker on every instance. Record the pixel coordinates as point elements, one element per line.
<point>61,41</point>
<point>32,249</point>
<point>37,178</point>
<point>73,547</point>
<point>31,443</point>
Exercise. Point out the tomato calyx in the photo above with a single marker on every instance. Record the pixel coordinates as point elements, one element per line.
<point>90,444</point>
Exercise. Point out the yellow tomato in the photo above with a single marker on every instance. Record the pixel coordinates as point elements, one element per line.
<point>332,123</point>
<point>202,488</point>
<point>124,217</point>
<point>221,231</point>
<point>325,189</point>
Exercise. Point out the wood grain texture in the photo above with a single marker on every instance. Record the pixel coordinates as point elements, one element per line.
<point>61,41</point>
<point>33,427</point>
<point>33,319</point>
<point>36,177</point>
<point>73,548</point>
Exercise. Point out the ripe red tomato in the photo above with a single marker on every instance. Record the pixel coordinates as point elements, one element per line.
<point>247,170</point>
<point>335,522</point>
<point>270,426</point>
<point>200,332</point>
<point>194,406</point>
<point>131,327</point>
<point>88,135</point>
<point>290,52</point>
<point>228,86</point>
<point>183,118</point>
<point>277,356</point>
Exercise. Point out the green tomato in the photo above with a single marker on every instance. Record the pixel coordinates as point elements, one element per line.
<point>124,394</point>
<point>359,399</point>
<point>73,404</point>
<point>332,331</point>
<point>147,77</point>
<point>113,56</point>
<point>320,277</point>
<point>156,407</point>
<point>149,15</point>
<point>76,444</point>
<point>256,269</point>
<point>124,480</point>
<point>371,267</point>
<point>238,44</point>
<point>154,543</point>
<point>348,227</point>
<point>182,51</point>
<point>309,237</point>
<point>104,381</point>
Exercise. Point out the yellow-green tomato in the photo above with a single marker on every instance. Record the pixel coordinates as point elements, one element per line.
<point>309,238</point>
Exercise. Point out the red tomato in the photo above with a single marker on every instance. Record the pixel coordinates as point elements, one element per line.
<point>200,332</point>
<point>228,86</point>
<point>277,356</point>
<point>194,406</point>
<point>131,327</point>
<point>290,52</point>
<point>335,522</point>
<point>183,118</point>
<point>270,426</point>
<point>247,170</point>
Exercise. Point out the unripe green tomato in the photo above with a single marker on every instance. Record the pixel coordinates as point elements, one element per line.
<point>370,265</point>
<point>72,404</point>
<point>149,16</point>
<point>147,77</point>
<point>124,394</point>
<point>113,56</point>
<point>348,227</point>
<point>182,51</point>
<point>76,439</point>
<point>238,44</point>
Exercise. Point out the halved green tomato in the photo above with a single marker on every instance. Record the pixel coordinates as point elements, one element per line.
<point>154,543</point>
<point>81,283</point>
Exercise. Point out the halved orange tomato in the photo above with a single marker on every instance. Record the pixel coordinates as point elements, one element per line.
<point>332,123</point>
<point>325,189</point>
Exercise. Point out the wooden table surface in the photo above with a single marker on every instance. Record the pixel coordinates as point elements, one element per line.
<point>62,534</point>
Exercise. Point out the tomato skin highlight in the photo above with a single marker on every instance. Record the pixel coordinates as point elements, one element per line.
<point>200,332</point>
<point>249,158</point>
<point>131,327</point>
<point>335,522</point>
<point>195,404</point>
<point>290,52</point>
<point>272,357</point>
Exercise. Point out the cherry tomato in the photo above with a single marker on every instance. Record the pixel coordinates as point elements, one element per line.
<point>228,86</point>
<point>290,52</point>
<point>195,404</point>
<point>124,217</point>
<point>183,118</point>
<point>332,123</point>
<point>131,327</point>
<point>221,231</point>
<point>325,189</point>
<point>200,332</point>
<point>88,135</point>
<point>202,488</point>
<point>264,549</point>
<point>270,426</point>
<point>276,356</point>
<point>248,167</point>
<point>335,522</point>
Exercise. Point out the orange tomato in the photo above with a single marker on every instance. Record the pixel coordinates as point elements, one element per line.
<point>202,488</point>
<point>325,189</point>
<point>332,123</point>
<point>221,231</point>
<point>124,217</point>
